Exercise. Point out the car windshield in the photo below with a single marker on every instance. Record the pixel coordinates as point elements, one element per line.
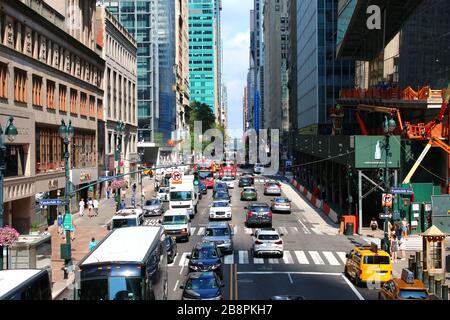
<point>259,209</point>
<point>120,223</point>
<point>180,196</point>
<point>376,260</point>
<point>217,232</point>
<point>220,204</point>
<point>272,185</point>
<point>175,220</point>
<point>413,294</point>
<point>249,190</point>
<point>281,200</point>
<point>245,180</point>
<point>268,237</point>
<point>227,179</point>
<point>204,253</point>
<point>204,175</point>
<point>113,288</point>
<point>202,283</point>
<point>163,190</point>
<point>152,202</point>
<point>221,195</point>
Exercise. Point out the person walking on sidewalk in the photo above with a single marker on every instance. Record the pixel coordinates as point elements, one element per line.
<point>122,204</point>
<point>404,228</point>
<point>374,224</point>
<point>81,207</point>
<point>59,222</point>
<point>90,208</point>
<point>92,244</point>
<point>95,204</point>
<point>394,247</point>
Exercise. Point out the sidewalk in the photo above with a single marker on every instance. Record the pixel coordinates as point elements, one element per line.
<point>86,228</point>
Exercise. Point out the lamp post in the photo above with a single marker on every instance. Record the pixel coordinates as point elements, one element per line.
<point>389,128</point>
<point>10,133</point>
<point>120,129</point>
<point>141,157</point>
<point>66,133</point>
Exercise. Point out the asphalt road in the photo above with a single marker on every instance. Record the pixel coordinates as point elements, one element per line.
<point>312,265</point>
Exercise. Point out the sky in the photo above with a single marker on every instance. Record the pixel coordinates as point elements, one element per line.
<point>236,44</point>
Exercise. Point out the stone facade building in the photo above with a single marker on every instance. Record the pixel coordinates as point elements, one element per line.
<point>51,69</point>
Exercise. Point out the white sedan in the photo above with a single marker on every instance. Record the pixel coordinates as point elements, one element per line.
<point>229,181</point>
<point>220,210</point>
<point>267,242</point>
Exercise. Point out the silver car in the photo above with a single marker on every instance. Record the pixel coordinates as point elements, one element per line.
<point>281,204</point>
<point>153,207</point>
<point>221,234</point>
<point>272,189</point>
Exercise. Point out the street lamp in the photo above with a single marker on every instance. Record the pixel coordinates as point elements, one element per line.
<point>141,157</point>
<point>66,133</point>
<point>10,133</point>
<point>120,129</point>
<point>389,127</point>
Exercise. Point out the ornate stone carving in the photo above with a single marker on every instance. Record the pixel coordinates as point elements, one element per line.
<point>67,61</point>
<point>27,45</point>
<point>43,51</point>
<point>87,72</point>
<point>95,76</point>
<point>55,55</point>
<point>77,66</point>
<point>9,33</point>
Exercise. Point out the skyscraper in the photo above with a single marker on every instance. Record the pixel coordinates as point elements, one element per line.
<point>204,52</point>
<point>139,18</point>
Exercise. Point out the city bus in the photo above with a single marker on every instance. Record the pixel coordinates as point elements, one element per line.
<point>128,264</point>
<point>25,284</point>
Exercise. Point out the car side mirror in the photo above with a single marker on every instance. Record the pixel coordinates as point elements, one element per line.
<point>181,287</point>
<point>108,227</point>
<point>347,256</point>
<point>159,221</point>
<point>252,235</point>
<point>245,208</point>
<point>281,234</point>
<point>188,257</point>
<point>222,285</point>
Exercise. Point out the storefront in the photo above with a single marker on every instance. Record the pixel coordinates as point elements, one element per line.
<point>81,179</point>
<point>50,186</point>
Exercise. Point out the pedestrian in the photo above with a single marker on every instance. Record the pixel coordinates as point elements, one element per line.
<point>123,193</point>
<point>404,228</point>
<point>46,233</point>
<point>81,205</point>
<point>402,245</point>
<point>108,192</point>
<point>122,204</point>
<point>374,224</point>
<point>90,207</point>
<point>394,247</point>
<point>72,230</point>
<point>59,222</point>
<point>92,244</point>
<point>95,204</point>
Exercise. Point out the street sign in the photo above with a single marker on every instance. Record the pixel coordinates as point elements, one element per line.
<point>68,221</point>
<point>384,215</point>
<point>106,178</point>
<point>404,191</point>
<point>386,200</point>
<point>51,202</point>
<point>176,176</point>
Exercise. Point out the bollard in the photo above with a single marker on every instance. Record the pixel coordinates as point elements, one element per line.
<point>419,275</point>
<point>414,268</point>
<point>438,288</point>
<point>410,263</point>
<point>418,258</point>
<point>425,278</point>
<point>431,286</point>
<point>445,292</point>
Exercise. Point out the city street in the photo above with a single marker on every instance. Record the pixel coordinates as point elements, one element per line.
<point>312,265</point>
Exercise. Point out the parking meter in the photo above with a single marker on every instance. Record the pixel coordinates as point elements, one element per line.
<point>416,221</point>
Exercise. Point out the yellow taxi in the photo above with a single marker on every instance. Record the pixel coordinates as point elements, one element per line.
<point>368,264</point>
<point>405,288</point>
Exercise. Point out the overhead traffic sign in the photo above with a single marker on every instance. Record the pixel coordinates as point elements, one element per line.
<point>404,191</point>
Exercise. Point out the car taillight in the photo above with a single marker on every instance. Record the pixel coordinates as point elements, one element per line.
<point>250,214</point>
<point>279,242</point>
<point>258,242</point>
<point>269,214</point>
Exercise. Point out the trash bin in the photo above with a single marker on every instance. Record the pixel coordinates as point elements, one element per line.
<point>349,229</point>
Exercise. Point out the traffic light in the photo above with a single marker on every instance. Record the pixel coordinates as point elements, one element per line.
<point>196,179</point>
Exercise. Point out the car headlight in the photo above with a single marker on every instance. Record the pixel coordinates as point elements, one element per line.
<point>189,211</point>
<point>227,241</point>
<point>215,266</point>
<point>193,267</point>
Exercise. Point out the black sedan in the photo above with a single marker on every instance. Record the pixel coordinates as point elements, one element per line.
<point>203,188</point>
<point>202,286</point>
<point>171,248</point>
<point>206,257</point>
<point>245,182</point>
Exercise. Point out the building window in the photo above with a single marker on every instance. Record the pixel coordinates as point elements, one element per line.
<point>3,81</point>
<point>84,151</point>
<point>83,104</point>
<point>49,151</point>
<point>51,95</point>
<point>73,101</point>
<point>20,84</point>
<point>92,110</point>
<point>37,91</point>
<point>99,109</point>
<point>15,161</point>
<point>62,98</point>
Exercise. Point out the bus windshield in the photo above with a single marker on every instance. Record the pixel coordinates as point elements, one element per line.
<point>205,174</point>
<point>180,196</point>
<point>114,288</point>
<point>121,223</point>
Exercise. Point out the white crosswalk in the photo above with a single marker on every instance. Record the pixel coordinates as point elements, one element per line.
<point>321,258</point>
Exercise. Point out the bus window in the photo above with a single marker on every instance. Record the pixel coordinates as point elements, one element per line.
<point>121,288</point>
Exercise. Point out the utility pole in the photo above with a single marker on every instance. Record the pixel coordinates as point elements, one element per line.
<point>389,127</point>
<point>120,128</point>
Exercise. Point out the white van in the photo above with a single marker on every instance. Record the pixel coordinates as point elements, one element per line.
<point>127,218</point>
<point>177,223</point>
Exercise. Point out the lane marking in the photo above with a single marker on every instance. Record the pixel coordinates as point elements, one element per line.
<point>301,257</point>
<point>248,231</point>
<point>258,260</point>
<point>229,259</point>
<point>291,272</point>
<point>183,261</point>
<point>273,261</point>
<point>331,259</point>
<point>290,279</point>
<point>356,292</point>
<point>201,231</point>
<point>305,229</point>
<point>294,229</point>
<point>316,231</point>
<point>236,297</point>
<point>317,259</point>
<point>287,257</point>
<point>342,256</point>
<point>243,257</point>
<point>283,230</point>
<point>235,230</point>
<point>231,282</point>
<point>176,286</point>
<point>192,230</point>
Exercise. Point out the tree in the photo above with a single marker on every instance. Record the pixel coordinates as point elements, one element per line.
<point>201,112</point>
